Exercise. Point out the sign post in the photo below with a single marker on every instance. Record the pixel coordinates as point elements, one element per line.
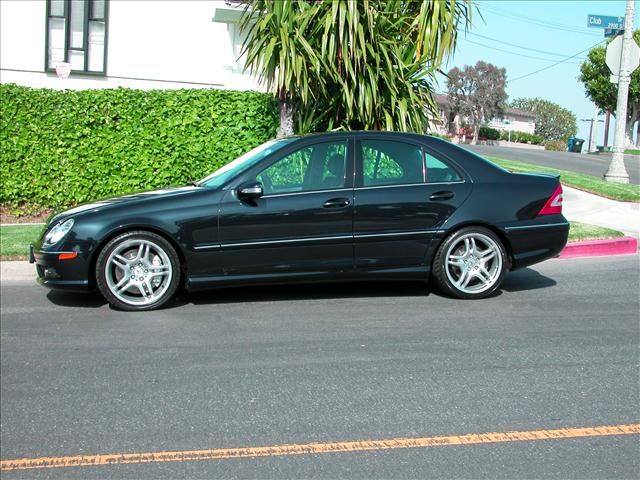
<point>628,55</point>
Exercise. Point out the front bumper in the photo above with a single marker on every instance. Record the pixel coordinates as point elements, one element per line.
<point>71,275</point>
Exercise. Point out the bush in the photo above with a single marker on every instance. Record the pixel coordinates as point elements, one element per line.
<point>521,137</point>
<point>61,148</point>
<point>439,135</point>
<point>489,133</point>
<point>555,145</point>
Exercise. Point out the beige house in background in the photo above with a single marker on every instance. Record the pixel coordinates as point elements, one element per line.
<point>513,119</point>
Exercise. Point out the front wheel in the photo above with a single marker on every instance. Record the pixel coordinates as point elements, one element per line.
<point>471,263</point>
<point>138,271</point>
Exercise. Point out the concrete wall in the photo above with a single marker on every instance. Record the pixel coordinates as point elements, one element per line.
<point>159,44</point>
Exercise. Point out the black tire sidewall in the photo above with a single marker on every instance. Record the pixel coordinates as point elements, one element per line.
<point>101,281</point>
<point>439,264</point>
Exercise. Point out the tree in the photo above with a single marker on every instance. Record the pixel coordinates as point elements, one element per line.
<point>477,93</point>
<point>345,64</point>
<point>595,75</point>
<point>552,121</point>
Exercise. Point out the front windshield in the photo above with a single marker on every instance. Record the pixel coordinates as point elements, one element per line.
<point>240,164</point>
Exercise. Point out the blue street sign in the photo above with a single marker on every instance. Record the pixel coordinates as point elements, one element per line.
<point>610,32</point>
<point>605,21</point>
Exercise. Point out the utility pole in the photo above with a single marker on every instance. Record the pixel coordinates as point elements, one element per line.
<point>593,131</point>
<point>606,130</point>
<point>590,120</point>
<point>617,171</point>
<point>593,136</point>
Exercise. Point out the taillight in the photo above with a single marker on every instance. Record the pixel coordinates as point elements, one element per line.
<point>554,204</point>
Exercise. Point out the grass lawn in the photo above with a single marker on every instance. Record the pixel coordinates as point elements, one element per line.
<point>623,192</point>
<point>632,152</point>
<point>15,239</point>
<point>583,231</point>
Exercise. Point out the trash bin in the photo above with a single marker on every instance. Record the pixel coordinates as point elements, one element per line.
<point>577,145</point>
<point>570,142</point>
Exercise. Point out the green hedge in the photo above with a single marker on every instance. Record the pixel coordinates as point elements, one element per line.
<point>522,137</point>
<point>489,133</point>
<point>61,148</point>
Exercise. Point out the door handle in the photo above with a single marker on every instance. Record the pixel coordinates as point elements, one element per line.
<point>336,203</point>
<point>444,195</point>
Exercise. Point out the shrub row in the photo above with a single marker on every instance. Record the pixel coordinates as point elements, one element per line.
<point>60,148</point>
<point>522,137</point>
<point>489,133</point>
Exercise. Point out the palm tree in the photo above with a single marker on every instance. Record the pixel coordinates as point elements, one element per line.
<point>351,64</point>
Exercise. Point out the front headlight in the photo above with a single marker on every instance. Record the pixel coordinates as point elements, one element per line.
<point>57,233</point>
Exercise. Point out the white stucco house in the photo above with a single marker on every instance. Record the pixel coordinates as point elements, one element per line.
<point>512,120</point>
<point>122,43</point>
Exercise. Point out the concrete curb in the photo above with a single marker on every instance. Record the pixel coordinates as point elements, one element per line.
<point>599,248</point>
<point>21,270</point>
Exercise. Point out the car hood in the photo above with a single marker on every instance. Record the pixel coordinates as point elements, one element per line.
<point>124,200</point>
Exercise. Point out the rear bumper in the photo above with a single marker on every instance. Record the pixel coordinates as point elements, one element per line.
<point>535,243</point>
<point>70,275</point>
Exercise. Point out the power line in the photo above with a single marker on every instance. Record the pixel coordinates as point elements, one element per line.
<point>519,54</point>
<point>519,46</point>
<point>557,63</point>
<point>534,21</point>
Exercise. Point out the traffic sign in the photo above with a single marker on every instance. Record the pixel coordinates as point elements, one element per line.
<point>605,21</point>
<point>614,55</point>
<point>610,32</point>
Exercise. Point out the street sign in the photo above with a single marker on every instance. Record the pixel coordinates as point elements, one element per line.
<point>610,32</point>
<point>614,55</point>
<point>605,21</point>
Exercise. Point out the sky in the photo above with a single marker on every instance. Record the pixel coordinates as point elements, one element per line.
<point>550,31</point>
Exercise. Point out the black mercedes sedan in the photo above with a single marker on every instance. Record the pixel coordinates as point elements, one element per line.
<point>324,207</point>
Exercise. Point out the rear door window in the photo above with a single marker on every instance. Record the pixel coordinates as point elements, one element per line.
<point>386,162</point>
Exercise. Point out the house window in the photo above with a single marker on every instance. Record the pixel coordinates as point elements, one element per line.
<point>77,34</point>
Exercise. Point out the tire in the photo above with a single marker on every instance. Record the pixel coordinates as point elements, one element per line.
<point>138,271</point>
<point>470,263</point>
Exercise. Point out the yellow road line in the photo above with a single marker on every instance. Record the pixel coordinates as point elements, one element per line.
<point>316,448</point>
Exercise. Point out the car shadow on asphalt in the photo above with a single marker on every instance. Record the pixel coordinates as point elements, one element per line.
<point>317,291</point>
<point>72,299</point>
<point>520,280</point>
<point>526,279</point>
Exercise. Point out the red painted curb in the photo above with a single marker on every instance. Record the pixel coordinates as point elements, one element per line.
<point>597,248</point>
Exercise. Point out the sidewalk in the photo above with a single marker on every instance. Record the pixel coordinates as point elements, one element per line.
<point>585,207</point>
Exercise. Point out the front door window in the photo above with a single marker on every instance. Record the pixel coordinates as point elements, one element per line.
<point>316,167</point>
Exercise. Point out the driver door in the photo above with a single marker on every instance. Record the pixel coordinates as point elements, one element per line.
<point>302,224</point>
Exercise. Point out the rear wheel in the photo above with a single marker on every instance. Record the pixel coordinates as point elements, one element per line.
<point>138,270</point>
<point>470,263</point>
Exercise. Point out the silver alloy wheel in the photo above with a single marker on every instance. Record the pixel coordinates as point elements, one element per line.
<point>138,272</point>
<point>473,263</point>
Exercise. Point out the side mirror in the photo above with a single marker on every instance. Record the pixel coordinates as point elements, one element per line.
<point>250,190</point>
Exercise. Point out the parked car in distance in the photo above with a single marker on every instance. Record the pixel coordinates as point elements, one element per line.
<point>324,207</point>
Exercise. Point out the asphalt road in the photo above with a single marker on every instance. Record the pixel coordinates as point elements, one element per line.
<point>556,348</point>
<point>596,165</point>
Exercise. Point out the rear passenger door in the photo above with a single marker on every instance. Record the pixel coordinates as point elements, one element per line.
<point>402,196</point>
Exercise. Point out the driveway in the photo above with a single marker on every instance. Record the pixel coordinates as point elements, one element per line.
<point>595,165</point>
